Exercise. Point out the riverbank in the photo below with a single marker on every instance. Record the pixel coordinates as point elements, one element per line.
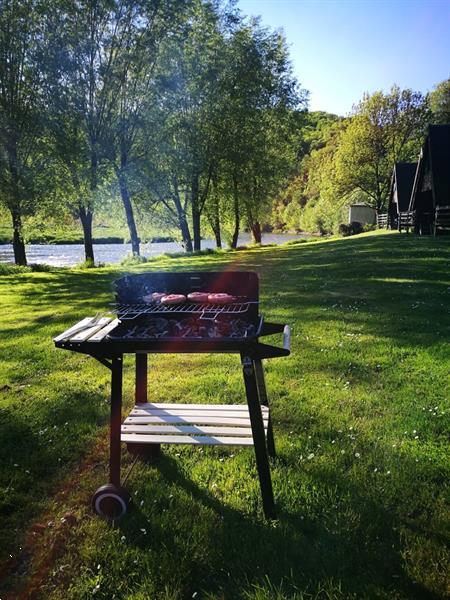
<point>69,255</point>
<point>360,413</point>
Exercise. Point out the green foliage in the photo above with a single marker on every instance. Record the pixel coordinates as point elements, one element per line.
<point>385,128</point>
<point>311,201</point>
<point>186,111</point>
<point>8,269</point>
<point>315,130</point>
<point>87,264</point>
<point>133,259</point>
<point>23,145</point>
<point>351,159</point>
<point>439,100</point>
<point>353,228</point>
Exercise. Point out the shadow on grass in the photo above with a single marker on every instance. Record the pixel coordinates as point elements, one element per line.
<point>37,448</point>
<point>295,553</point>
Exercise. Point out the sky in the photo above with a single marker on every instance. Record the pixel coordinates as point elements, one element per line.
<point>341,49</point>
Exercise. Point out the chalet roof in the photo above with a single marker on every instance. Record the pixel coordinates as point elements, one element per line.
<point>403,181</point>
<point>434,165</point>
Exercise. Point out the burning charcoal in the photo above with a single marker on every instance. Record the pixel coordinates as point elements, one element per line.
<point>223,328</point>
<point>160,324</point>
<point>130,333</point>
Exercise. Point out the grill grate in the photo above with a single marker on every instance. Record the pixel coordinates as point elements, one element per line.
<point>133,311</point>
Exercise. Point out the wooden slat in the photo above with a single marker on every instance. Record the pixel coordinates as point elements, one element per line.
<point>102,333</point>
<point>172,405</point>
<point>189,413</point>
<point>86,334</point>
<point>184,439</point>
<point>198,424</point>
<point>188,429</point>
<point>195,420</point>
<point>67,333</point>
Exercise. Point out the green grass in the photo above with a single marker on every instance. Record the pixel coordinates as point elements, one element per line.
<point>361,422</point>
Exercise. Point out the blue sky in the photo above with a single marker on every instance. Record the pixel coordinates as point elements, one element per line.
<point>343,48</point>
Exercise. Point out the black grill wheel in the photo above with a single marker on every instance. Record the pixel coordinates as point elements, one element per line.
<point>111,502</point>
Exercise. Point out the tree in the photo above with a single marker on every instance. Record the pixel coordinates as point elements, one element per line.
<point>184,148</point>
<point>96,48</point>
<point>439,100</point>
<point>149,24</point>
<point>21,140</point>
<point>259,97</point>
<point>385,128</point>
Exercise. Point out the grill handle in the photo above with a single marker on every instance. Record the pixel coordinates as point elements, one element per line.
<point>287,337</point>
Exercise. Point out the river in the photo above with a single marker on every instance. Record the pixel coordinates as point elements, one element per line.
<point>68,255</point>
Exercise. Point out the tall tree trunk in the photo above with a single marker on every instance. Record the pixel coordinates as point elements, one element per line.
<point>196,214</point>
<point>256,232</point>
<point>196,229</point>
<point>216,229</point>
<point>126,200</point>
<point>185,233</point>
<point>237,219</point>
<point>86,215</point>
<point>182,221</point>
<point>213,215</point>
<point>20,257</point>
<point>86,222</point>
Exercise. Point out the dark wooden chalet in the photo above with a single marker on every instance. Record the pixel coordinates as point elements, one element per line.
<point>430,198</point>
<point>400,195</point>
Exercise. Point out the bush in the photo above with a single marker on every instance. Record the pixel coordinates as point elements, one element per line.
<point>10,269</point>
<point>162,239</point>
<point>352,228</point>
<point>43,268</point>
<point>296,242</point>
<point>87,264</point>
<point>133,259</point>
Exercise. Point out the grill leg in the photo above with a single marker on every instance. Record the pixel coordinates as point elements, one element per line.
<point>262,393</point>
<point>141,379</point>
<point>256,420</point>
<point>116,420</point>
<point>147,451</point>
<point>110,500</point>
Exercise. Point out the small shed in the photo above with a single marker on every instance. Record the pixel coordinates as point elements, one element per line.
<point>362,213</point>
<point>430,198</point>
<point>400,194</point>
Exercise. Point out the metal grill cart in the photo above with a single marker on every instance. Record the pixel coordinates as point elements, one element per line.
<point>144,326</point>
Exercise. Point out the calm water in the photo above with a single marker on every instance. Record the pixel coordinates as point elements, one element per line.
<point>72,254</point>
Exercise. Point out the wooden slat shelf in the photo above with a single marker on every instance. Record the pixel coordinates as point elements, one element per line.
<point>94,330</point>
<point>207,424</point>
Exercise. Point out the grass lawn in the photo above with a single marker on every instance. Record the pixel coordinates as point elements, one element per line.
<point>361,420</point>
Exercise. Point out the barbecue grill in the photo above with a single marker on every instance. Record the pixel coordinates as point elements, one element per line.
<point>143,326</point>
